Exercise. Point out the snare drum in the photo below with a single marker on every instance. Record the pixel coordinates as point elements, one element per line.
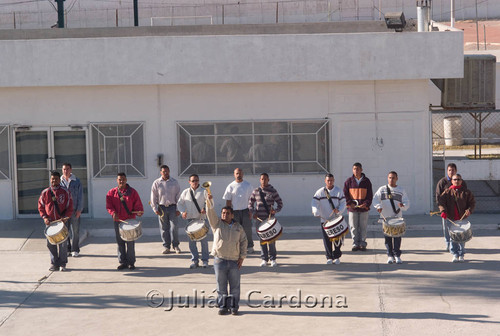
<point>336,228</point>
<point>197,230</point>
<point>394,227</point>
<point>56,232</point>
<point>130,230</point>
<point>460,233</point>
<point>269,231</point>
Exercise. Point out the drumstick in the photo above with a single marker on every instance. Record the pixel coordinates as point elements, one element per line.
<point>259,219</point>
<point>463,216</point>
<point>138,212</point>
<point>452,222</point>
<point>383,217</point>
<point>432,213</point>
<point>64,219</point>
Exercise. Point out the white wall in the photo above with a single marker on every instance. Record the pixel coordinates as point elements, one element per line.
<point>231,59</point>
<point>400,107</point>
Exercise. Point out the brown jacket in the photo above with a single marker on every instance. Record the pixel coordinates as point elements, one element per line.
<point>462,198</point>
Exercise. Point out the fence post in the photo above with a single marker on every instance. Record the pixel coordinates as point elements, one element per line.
<point>277,4</point>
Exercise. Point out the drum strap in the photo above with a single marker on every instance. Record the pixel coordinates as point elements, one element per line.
<point>122,199</point>
<point>329,198</point>
<point>263,198</point>
<point>194,200</point>
<point>389,196</point>
<point>54,200</point>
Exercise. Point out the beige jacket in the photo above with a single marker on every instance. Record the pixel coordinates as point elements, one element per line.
<point>230,242</point>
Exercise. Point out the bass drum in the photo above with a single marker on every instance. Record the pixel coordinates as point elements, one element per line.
<point>269,231</point>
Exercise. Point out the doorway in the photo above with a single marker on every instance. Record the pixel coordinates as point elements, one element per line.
<point>38,151</point>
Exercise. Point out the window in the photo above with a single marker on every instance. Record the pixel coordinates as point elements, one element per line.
<point>255,146</point>
<point>118,148</point>
<point>4,153</point>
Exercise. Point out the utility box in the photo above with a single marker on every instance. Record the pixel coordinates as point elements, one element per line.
<point>476,90</point>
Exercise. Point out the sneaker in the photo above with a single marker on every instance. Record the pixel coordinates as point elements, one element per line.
<point>205,264</point>
<point>121,266</point>
<point>250,250</point>
<point>362,248</point>
<point>131,267</point>
<point>166,251</point>
<point>336,261</point>
<point>52,268</point>
<point>234,311</point>
<point>274,263</point>
<point>455,259</point>
<point>329,261</point>
<point>177,250</point>
<point>263,263</point>
<point>398,260</point>
<point>62,268</point>
<point>223,311</point>
<point>75,254</point>
<point>355,248</point>
<point>461,259</point>
<point>193,265</point>
<point>390,260</point>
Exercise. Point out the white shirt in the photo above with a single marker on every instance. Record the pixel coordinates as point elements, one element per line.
<point>238,194</point>
<point>164,192</point>
<point>186,204</point>
<point>321,206</point>
<point>382,201</point>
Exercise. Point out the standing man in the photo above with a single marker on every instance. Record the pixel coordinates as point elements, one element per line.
<point>358,194</point>
<point>55,203</point>
<point>122,203</point>
<point>164,196</point>
<point>329,202</point>
<point>443,184</point>
<point>237,195</point>
<point>229,250</point>
<point>72,183</point>
<point>191,205</point>
<point>458,203</point>
<point>260,206</point>
<point>390,201</point>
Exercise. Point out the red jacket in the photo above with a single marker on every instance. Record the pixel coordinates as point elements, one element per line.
<point>46,206</point>
<point>114,205</point>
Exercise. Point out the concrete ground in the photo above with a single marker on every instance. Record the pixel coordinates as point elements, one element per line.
<point>426,294</point>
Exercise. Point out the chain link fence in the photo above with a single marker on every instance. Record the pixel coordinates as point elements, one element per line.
<point>86,14</point>
<point>470,139</point>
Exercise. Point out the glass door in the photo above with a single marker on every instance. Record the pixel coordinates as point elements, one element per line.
<point>38,152</point>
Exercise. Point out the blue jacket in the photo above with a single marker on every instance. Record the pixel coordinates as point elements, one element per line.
<point>76,190</point>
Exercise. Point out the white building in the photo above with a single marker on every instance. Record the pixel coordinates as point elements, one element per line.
<point>319,97</point>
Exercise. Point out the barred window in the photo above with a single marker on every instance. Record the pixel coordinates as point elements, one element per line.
<point>4,153</point>
<point>118,148</point>
<point>289,147</point>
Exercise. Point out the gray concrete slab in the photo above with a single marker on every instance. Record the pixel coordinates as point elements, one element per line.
<point>425,294</point>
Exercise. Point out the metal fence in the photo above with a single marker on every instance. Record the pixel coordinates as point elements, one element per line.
<point>470,139</point>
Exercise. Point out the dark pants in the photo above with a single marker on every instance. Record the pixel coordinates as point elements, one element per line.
<point>58,254</point>
<point>268,253</point>
<point>126,250</point>
<point>243,217</point>
<point>227,273</point>
<point>393,246</point>
<point>336,253</point>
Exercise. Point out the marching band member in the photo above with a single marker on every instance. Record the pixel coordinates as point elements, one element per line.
<point>390,201</point>
<point>55,203</point>
<point>229,250</point>
<point>191,205</point>
<point>358,195</point>
<point>443,184</point>
<point>327,203</point>
<point>456,202</point>
<point>123,202</point>
<point>261,206</point>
